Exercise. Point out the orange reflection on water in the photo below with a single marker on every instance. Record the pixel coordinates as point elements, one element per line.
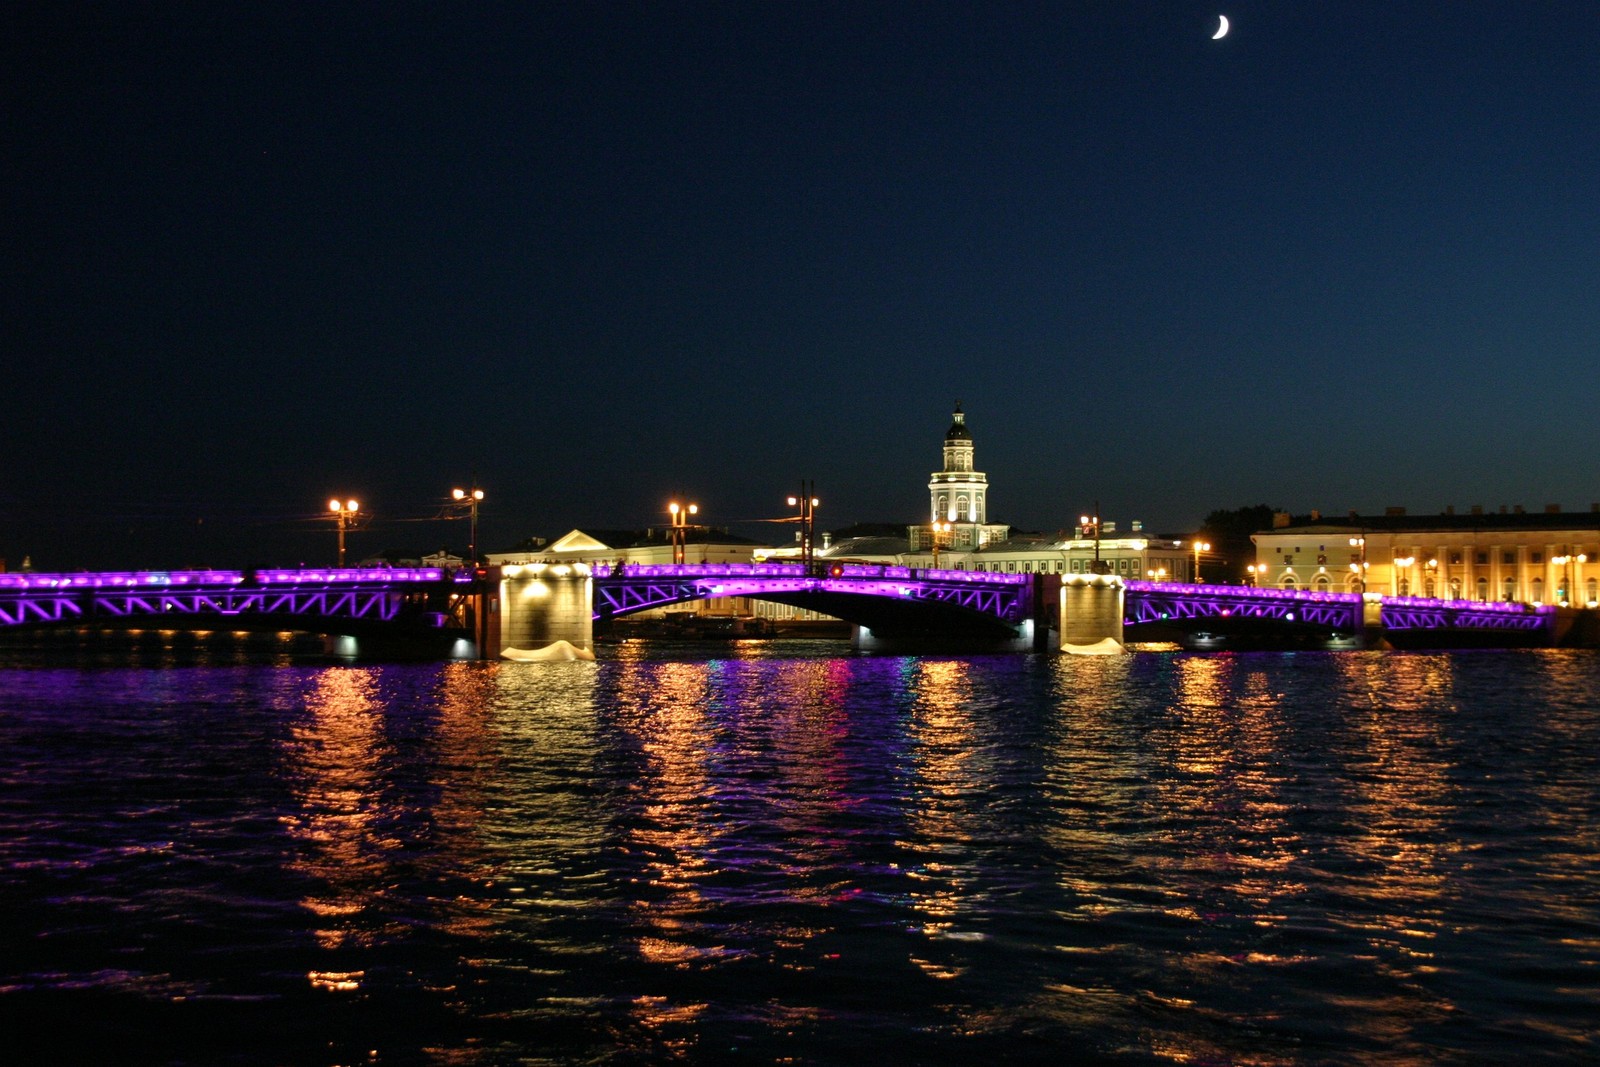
<point>948,764</point>
<point>333,758</point>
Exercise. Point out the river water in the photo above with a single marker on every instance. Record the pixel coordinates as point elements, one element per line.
<point>782,853</point>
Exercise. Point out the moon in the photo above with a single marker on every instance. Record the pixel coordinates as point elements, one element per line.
<point>1222,29</point>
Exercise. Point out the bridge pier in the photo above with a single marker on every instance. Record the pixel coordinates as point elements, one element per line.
<point>539,604</point>
<point>1091,611</point>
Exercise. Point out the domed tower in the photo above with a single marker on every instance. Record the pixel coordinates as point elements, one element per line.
<point>958,498</point>
<point>956,494</point>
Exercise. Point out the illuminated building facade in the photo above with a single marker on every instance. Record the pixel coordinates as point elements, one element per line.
<point>958,498</point>
<point>1549,557</point>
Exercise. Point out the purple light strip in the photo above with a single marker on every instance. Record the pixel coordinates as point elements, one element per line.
<point>159,579</point>
<point>849,571</point>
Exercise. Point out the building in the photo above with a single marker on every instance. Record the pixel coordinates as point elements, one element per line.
<point>1548,557</point>
<point>958,498</point>
<point>959,535</point>
<point>604,549</point>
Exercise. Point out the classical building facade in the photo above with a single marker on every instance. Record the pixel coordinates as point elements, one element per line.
<point>1549,557</point>
<point>958,498</point>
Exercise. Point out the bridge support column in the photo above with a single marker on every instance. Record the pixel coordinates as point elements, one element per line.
<point>541,604</point>
<point>1091,612</point>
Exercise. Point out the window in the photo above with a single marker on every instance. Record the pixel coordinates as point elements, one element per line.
<point>1537,596</point>
<point>1455,557</point>
<point>1483,590</point>
<point>1508,589</point>
<point>1590,589</point>
<point>1429,589</point>
<point>1404,587</point>
<point>1536,557</point>
<point>1322,583</point>
<point>1508,558</point>
<point>1077,566</point>
<point>1455,589</point>
<point>1483,559</point>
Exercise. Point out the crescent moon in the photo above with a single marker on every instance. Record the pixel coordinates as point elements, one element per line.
<point>1222,29</point>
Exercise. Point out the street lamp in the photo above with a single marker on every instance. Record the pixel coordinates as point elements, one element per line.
<point>1257,572</point>
<point>807,503</point>
<point>1569,586</point>
<point>1199,547</point>
<point>680,526</point>
<point>1402,581</point>
<point>1360,567</point>
<point>939,530</point>
<point>1092,522</point>
<point>344,515</point>
<point>469,499</point>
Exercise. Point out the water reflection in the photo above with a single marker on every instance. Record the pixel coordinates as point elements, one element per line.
<point>334,758</point>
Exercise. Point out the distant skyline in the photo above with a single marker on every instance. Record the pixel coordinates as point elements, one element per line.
<point>595,256</point>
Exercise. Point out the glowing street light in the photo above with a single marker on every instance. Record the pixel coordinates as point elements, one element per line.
<point>469,499</point>
<point>1089,523</point>
<point>1257,572</point>
<point>807,503</point>
<point>1360,567</point>
<point>344,515</point>
<point>940,529</point>
<point>1199,547</point>
<point>680,527</point>
<point>1402,580</point>
<point>1569,589</point>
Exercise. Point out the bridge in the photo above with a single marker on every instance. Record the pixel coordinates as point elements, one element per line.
<point>1261,612</point>
<point>377,602</point>
<point>911,602</point>
<point>889,605</point>
<point>890,602</point>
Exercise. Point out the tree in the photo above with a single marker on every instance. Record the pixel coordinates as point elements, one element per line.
<point>1231,548</point>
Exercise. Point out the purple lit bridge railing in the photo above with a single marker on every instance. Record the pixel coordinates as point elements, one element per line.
<point>1000,598</point>
<point>369,595</point>
<point>1150,602</point>
<point>1157,602</point>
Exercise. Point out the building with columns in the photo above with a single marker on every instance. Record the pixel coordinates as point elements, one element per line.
<point>958,498</point>
<point>1548,557</point>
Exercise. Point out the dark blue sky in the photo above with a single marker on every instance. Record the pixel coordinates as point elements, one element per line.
<point>1344,258</point>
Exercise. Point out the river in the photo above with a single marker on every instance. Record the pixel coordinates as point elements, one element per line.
<point>778,852</point>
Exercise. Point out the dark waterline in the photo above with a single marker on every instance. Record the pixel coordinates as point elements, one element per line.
<point>778,852</point>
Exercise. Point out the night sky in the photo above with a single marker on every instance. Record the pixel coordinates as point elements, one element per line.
<point>597,254</point>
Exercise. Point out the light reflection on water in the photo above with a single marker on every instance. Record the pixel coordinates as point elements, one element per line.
<point>741,856</point>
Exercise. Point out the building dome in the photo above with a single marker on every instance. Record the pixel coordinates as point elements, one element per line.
<point>958,429</point>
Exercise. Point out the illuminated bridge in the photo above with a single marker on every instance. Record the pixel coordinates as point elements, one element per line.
<point>902,601</point>
<point>1228,608</point>
<point>888,601</point>
<point>978,610</point>
<point>347,600</point>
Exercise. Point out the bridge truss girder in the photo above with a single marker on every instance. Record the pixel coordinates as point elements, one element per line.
<point>903,603</point>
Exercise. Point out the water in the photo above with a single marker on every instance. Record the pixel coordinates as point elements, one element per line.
<point>780,853</point>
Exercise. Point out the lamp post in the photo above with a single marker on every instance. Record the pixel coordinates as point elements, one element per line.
<point>680,527</point>
<point>1256,572</point>
<point>1199,547</point>
<point>1402,581</point>
<point>1092,522</point>
<point>940,529</point>
<point>1568,583</point>
<point>469,499</point>
<point>807,503</point>
<point>344,514</point>
<point>1360,566</point>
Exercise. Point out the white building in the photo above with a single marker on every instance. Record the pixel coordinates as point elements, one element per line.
<point>958,498</point>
